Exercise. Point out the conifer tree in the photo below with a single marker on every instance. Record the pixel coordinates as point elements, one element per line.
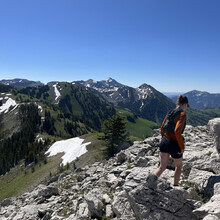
<point>114,133</point>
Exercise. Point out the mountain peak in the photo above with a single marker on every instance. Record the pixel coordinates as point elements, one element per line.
<point>197,92</point>
<point>143,86</point>
<point>110,79</point>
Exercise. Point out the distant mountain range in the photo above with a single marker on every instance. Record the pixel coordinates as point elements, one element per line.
<point>202,100</point>
<point>21,83</point>
<point>144,101</point>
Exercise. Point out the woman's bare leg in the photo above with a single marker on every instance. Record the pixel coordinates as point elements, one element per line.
<point>164,159</point>
<point>178,169</point>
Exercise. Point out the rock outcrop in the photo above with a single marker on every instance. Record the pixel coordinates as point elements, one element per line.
<point>214,126</point>
<point>125,188</point>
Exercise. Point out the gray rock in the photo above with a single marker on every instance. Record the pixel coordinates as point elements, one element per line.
<point>80,178</point>
<point>137,175</point>
<point>41,213</point>
<point>153,141</point>
<point>217,188</point>
<point>59,218</point>
<point>6,202</point>
<point>214,126</point>
<point>211,217</point>
<point>95,205</point>
<point>204,181</point>
<point>212,207</point>
<point>113,181</point>
<point>83,211</point>
<point>121,157</point>
<point>108,211</point>
<point>72,217</point>
<point>192,194</point>
<point>157,200</point>
<point>33,210</point>
<point>48,191</point>
<point>121,206</point>
<point>106,198</point>
<point>141,162</point>
<point>125,173</point>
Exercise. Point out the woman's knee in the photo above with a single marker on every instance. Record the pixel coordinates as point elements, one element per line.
<point>179,165</point>
<point>178,162</point>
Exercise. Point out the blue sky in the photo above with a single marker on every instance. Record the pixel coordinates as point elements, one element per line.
<point>172,45</point>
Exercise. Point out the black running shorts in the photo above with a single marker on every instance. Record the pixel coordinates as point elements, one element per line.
<point>170,146</point>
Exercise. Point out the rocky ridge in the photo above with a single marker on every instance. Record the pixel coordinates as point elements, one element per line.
<point>125,188</point>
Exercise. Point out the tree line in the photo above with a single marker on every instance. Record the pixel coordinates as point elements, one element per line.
<point>23,144</point>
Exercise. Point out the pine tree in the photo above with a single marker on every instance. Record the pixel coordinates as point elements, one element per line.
<point>114,133</point>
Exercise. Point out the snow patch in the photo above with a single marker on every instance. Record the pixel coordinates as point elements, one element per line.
<point>142,105</point>
<point>56,92</point>
<point>72,149</point>
<point>40,108</point>
<point>5,107</point>
<point>144,93</point>
<point>199,94</point>
<point>109,79</point>
<point>40,139</point>
<point>111,94</point>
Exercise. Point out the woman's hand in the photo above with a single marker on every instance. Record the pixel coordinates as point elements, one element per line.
<point>182,151</point>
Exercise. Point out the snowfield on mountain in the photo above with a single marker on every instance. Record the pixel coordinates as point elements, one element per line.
<point>72,148</point>
<point>6,106</point>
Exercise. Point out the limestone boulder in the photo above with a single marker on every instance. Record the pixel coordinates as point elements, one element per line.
<point>210,208</point>
<point>94,203</point>
<point>156,199</point>
<point>204,181</point>
<point>214,126</point>
<point>48,191</point>
<point>121,206</point>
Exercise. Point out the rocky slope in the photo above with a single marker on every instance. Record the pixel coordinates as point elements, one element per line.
<point>124,187</point>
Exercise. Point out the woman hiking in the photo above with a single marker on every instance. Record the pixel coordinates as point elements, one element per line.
<point>172,141</point>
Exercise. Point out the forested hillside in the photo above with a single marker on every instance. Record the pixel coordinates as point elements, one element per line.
<point>77,112</point>
<point>22,144</point>
<point>196,117</point>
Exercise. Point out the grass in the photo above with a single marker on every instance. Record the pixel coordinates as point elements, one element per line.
<point>142,128</point>
<point>139,129</point>
<point>20,179</point>
<point>96,150</point>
